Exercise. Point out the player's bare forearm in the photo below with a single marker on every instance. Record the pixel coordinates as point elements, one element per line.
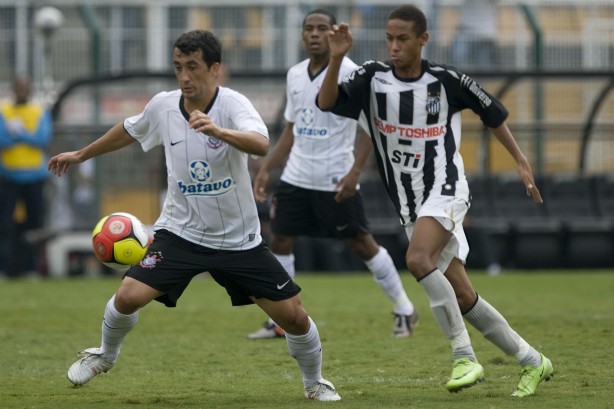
<point>362,152</point>
<point>281,150</point>
<point>505,137</point>
<point>114,139</point>
<point>250,142</point>
<point>273,160</point>
<point>340,41</point>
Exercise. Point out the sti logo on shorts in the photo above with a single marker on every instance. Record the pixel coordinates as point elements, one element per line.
<point>202,181</point>
<point>306,126</point>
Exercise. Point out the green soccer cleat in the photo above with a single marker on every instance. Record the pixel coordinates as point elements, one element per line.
<point>465,373</point>
<point>530,377</point>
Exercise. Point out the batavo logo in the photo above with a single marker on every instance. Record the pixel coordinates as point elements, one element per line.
<point>203,183</point>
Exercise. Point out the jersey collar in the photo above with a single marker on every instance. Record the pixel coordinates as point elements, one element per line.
<point>186,114</point>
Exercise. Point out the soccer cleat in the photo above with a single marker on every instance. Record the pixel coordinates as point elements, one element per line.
<point>465,373</point>
<point>404,325</point>
<point>89,366</point>
<point>530,377</point>
<point>323,390</point>
<point>269,330</point>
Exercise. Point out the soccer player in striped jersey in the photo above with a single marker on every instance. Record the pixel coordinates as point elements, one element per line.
<point>317,195</point>
<point>412,109</point>
<point>209,220</point>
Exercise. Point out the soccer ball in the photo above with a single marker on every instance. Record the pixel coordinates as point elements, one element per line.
<point>120,240</point>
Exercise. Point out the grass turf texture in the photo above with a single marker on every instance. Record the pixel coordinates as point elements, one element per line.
<point>197,356</point>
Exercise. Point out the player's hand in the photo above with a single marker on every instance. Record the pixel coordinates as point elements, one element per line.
<point>526,175</point>
<point>201,122</point>
<point>346,187</point>
<point>339,39</point>
<point>59,164</point>
<point>261,181</point>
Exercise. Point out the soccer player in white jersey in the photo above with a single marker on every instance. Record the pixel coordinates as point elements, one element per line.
<point>317,193</point>
<point>412,110</point>
<point>209,220</point>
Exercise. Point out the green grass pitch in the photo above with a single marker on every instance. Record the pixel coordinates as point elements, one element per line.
<point>197,356</point>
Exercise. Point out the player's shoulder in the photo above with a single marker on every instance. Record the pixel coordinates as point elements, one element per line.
<point>442,70</point>
<point>229,98</point>
<point>165,99</point>
<point>372,67</point>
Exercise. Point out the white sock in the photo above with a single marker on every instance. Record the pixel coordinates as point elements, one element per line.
<point>287,262</point>
<point>387,278</point>
<point>447,313</point>
<point>486,319</point>
<point>115,326</point>
<point>307,350</point>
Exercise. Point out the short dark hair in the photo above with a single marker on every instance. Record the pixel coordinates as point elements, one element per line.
<point>412,14</point>
<point>203,40</point>
<point>331,17</point>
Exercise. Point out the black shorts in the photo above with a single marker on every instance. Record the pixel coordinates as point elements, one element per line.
<point>171,262</point>
<point>303,212</point>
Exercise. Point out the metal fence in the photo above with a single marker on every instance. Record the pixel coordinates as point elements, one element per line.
<point>111,36</point>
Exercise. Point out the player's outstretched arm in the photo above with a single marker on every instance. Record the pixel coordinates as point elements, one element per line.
<point>115,138</point>
<point>339,42</point>
<point>504,135</point>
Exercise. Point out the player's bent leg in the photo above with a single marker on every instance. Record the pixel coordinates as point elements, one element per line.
<point>304,344</point>
<point>282,247</point>
<point>133,294</point>
<point>463,289</point>
<point>120,317</point>
<point>289,314</point>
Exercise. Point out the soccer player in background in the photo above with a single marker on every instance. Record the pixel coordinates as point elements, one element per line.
<point>209,220</point>
<point>412,109</point>
<point>317,195</point>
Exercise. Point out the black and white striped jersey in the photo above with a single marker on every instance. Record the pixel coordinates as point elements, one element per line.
<point>415,126</point>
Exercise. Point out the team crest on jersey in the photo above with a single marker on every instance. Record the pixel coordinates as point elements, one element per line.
<point>305,126</point>
<point>202,182</point>
<point>214,143</point>
<point>307,116</point>
<point>433,104</point>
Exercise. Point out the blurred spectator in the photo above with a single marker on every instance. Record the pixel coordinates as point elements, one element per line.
<point>475,43</point>
<point>25,132</point>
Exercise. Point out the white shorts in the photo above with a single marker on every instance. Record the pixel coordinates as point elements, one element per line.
<point>450,211</point>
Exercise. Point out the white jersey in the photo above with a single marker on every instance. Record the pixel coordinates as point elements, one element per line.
<point>323,149</point>
<point>209,199</point>
<point>415,126</point>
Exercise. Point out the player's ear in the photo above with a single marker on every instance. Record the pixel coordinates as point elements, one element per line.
<point>424,38</point>
<point>215,68</point>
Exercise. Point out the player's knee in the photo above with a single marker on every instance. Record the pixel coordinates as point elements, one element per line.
<point>419,264</point>
<point>127,301</point>
<point>296,323</point>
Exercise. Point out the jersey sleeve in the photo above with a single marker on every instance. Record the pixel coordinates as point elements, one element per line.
<point>354,89</point>
<point>465,92</point>
<point>244,116</point>
<point>143,127</point>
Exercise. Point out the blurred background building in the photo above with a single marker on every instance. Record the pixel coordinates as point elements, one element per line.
<point>550,61</point>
